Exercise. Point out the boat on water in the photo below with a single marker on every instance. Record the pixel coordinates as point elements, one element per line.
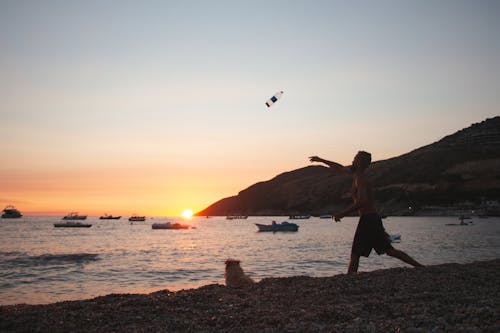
<point>462,219</point>
<point>283,226</point>
<point>10,212</point>
<point>169,225</point>
<point>137,218</point>
<point>396,238</point>
<point>72,224</point>
<point>236,217</point>
<point>74,216</point>
<point>299,217</point>
<point>109,217</point>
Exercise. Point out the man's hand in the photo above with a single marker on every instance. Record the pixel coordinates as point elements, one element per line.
<point>315,159</point>
<point>337,217</point>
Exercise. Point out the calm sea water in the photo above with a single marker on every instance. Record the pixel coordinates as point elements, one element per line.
<point>41,264</point>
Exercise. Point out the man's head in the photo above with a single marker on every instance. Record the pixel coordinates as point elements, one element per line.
<point>361,161</point>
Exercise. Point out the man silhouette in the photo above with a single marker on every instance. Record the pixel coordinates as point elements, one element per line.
<point>370,233</point>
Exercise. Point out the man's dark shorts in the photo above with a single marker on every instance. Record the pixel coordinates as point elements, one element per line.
<point>370,234</point>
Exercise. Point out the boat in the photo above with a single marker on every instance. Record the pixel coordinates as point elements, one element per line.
<point>10,212</point>
<point>74,216</point>
<point>396,238</point>
<point>462,219</point>
<point>283,226</point>
<point>109,217</point>
<point>169,225</point>
<point>72,224</point>
<point>137,218</point>
<point>299,217</point>
<point>236,217</point>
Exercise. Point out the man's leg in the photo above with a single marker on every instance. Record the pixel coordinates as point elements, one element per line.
<point>403,257</point>
<point>353,264</point>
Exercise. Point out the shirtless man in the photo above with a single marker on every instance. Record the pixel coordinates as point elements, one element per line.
<point>370,233</point>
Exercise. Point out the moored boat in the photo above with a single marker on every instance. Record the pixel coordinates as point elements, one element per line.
<point>236,217</point>
<point>283,226</point>
<point>74,216</point>
<point>396,238</point>
<point>109,217</point>
<point>72,224</point>
<point>299,217</point>
<point>462,219</point>
<point>169,225</point>
<point>137,218</point>
<point>10,212</point>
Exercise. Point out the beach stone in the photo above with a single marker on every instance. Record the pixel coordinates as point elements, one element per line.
<point>415,330</point>
<point>370,328</point>
<point>443,298</point>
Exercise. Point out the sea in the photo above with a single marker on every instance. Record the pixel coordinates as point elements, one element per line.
<point>42,264</point>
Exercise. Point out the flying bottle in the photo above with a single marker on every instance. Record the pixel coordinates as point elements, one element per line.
<point>273,99</point>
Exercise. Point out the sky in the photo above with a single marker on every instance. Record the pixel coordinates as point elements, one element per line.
<point>154,107</point>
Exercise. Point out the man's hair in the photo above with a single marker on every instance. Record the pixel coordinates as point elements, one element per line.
<point>365,158</point>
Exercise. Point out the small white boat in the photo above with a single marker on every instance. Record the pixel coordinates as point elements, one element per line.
<point>74,216</point>
<point>169,225</point>
<point>283,226</point>
<point>72,224</point>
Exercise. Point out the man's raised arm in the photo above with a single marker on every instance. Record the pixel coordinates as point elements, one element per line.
<point>333,165</point>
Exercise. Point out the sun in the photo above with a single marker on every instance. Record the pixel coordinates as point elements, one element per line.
<point>187,213</point>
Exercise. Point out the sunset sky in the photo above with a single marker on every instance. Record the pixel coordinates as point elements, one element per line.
<point>154,107</point>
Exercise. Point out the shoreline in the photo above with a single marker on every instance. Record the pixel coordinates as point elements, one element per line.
<point>439,298</point>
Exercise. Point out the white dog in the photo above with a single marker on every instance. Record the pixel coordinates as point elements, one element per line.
<point>235,277</point>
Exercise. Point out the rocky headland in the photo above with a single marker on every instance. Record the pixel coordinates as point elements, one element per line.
<point>459,172</point>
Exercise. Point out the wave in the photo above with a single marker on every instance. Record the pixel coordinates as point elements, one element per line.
<point>49,259</point>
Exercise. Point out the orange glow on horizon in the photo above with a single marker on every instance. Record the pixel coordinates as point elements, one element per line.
<point>149,190</point>
<point>120,190</point>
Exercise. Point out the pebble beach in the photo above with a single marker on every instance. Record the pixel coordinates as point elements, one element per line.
<point>440,298</point>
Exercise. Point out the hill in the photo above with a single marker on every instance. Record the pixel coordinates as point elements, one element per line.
<point>460,170</point>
